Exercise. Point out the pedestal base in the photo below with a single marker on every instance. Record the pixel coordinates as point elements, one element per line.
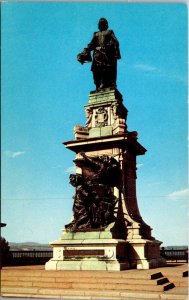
<point>87,264</point>
<point>89,251</point>
<point>145,254</point>
<point>97,250</point>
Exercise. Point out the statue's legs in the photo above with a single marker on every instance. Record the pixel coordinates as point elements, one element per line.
<point>105,76</point>
<point>108,78</point>
<point>97,75</point>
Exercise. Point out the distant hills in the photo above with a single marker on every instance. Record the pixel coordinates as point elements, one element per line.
<point>29,246</point>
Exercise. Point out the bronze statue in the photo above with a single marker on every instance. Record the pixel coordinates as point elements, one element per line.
<point>106,52</point>
<point>81,204</point>
<point>94,200</point>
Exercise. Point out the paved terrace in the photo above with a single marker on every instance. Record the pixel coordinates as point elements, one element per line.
<point>34,282</point>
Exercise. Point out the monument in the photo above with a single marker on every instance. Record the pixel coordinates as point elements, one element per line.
<point>107,231</point>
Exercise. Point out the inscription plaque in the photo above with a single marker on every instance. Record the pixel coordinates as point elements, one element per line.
<point>94,252</point>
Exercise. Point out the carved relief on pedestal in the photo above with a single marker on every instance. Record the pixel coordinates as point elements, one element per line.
<point>89,115</point>
<point>114,108</point>
<point>119,114</point>
<point>101,117</point>
<point>118,111</point>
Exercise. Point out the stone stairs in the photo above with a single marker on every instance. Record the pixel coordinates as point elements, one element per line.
<point>38,283</point>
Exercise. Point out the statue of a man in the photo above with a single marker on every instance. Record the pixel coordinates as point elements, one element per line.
<point>106,52</point>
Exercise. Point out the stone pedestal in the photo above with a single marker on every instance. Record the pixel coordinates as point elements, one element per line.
<point>145,254</point>
<point>126,242</point>
<point>95,250</point>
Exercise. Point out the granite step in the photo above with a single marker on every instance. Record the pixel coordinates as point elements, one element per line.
<point>81,274</point>
<point>96,295</point>
<point>143,281</point>
<point>38,283</point>
<point>69,279</point>
<point>124,285</point>
<point>89,286</point>
<point>55,293</point>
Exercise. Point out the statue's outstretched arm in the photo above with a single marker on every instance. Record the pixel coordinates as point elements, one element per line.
<point>85,55</point>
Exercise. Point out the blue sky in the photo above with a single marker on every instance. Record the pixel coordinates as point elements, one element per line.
<point>44,90</point>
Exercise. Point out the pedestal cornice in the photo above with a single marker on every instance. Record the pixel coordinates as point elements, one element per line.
<point>126,140</point>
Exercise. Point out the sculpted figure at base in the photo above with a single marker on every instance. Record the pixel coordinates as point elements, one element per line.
<point>81,204</point>
<point>94,201</point>
<point>105,47</point>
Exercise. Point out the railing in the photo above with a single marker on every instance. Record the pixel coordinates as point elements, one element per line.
<point>41,257</point>
<point>175,254</point>
<point>29,257</point>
